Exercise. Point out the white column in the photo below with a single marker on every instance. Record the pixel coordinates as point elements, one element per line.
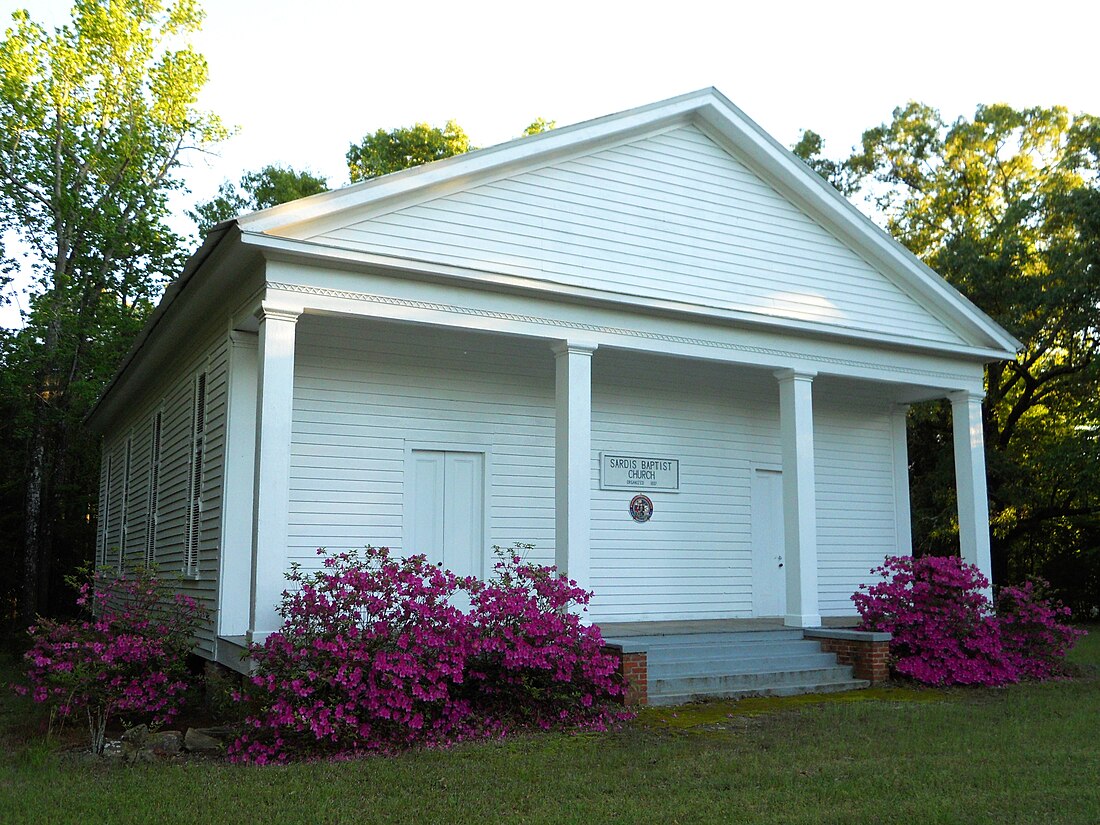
<point>274,411</point>
<point>796,430</point>
<point>235,576</point>
<point>899,437</point>
<point>966,425</point>
<point>573,460</point>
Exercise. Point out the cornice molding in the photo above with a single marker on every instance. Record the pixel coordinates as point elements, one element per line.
<point>561,323</point>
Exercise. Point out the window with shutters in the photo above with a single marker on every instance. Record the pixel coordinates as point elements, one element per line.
<point>194,508</point>
<point>124,511</point>
<point>154,494</point>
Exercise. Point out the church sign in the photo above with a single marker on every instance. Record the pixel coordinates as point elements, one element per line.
<point>633,472</point>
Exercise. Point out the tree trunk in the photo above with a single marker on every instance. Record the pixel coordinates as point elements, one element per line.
<point>37,482</point>
<point>32,516</point>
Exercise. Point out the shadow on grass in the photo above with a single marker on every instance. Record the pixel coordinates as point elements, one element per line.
<point>709,715</point>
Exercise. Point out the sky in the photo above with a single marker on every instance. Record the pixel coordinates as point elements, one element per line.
<point>300,81</point>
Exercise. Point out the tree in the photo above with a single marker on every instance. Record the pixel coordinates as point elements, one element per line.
<point>538,126</point>
<point>809,147</point>
<point>264,188</point>
<point>93,120</point>
<point>1006,206</point>
<point>383,152</point>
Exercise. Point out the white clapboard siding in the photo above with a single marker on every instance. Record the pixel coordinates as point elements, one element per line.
<point>856,526</point>
<point>671,217</point>
<point>692,559</point>
<point>363,392</point>
<point>173,396</point>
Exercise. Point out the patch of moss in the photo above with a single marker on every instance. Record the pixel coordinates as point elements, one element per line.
<point>722,711</point>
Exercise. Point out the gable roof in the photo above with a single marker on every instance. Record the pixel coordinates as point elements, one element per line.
<point>322,220</point>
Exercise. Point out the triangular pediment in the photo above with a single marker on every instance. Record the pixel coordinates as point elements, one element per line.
<point>685,202</point>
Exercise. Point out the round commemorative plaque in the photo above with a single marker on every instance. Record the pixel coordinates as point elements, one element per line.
<point>641,508</point>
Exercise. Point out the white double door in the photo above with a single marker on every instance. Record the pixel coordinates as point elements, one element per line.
<point>447,509</point>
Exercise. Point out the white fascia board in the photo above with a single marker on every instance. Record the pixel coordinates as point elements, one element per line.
<point>326,255</point>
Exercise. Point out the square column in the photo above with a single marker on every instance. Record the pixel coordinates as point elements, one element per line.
<point>899,438</point>
<point>274,413</point>
<point>970,486</point>
<point>573,460</point>
<point>796,430</point>
<point>238,491</point>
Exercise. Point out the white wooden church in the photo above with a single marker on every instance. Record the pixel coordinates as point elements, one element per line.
<point>654,345</point>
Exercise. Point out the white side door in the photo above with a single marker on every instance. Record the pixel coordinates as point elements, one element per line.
<point>447,506</point>
<point>769,578</point>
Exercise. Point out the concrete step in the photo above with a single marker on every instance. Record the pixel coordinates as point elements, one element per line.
<point>685,667</point>
<point>778,662</point>
<point>733,652</point>
<point>792,689</point>
<point>720,683</point>
<point>655,642</point>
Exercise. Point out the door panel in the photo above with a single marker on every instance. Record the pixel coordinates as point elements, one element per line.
<point>769,577</point>
<point>446,509</point>
<point>462,513</point>
<point>426,518</point>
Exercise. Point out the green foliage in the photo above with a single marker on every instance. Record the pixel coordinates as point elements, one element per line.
<point>538,126</point>
<point>1006,206</point>
<point>261,189</point>
<point>404,147</point>
<point>810,147</point>
<point>93,118</point>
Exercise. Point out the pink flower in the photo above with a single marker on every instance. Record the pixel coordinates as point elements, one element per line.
<point>945,631</point>
<point>407,668</point>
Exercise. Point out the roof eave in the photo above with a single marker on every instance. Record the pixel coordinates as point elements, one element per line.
<point>194,263</point>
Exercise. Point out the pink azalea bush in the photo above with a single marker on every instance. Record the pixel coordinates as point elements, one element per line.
<point>946,632</point>
<point>376,655</point>
<point>1034,633</point>
<point>127,658</point>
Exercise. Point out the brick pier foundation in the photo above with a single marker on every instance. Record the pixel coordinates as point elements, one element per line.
<point>867,653</point>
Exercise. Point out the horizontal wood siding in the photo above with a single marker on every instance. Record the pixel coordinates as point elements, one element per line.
<point>692,559</point>
<point>670,217</point>
<point>174,397</point>
<point>362,391</point>
<point>856,526</point>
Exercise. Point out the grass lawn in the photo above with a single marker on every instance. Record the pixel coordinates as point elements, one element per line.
<point>1024,754</point>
